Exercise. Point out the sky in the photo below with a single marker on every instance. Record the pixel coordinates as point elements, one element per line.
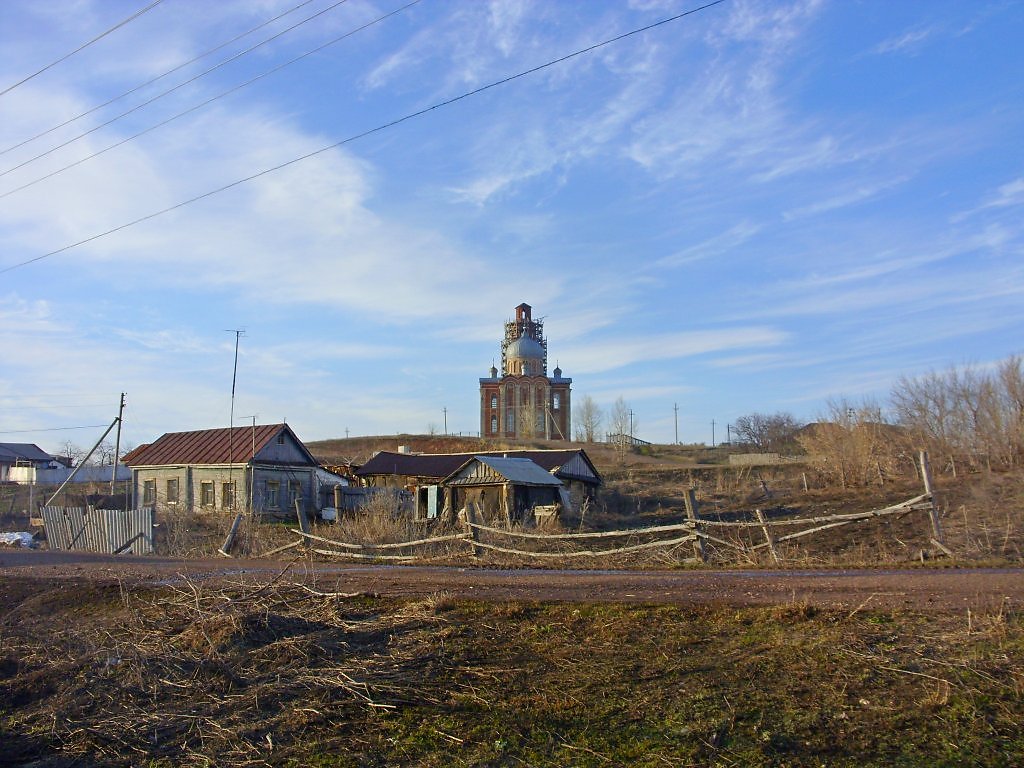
<point>757,207</point>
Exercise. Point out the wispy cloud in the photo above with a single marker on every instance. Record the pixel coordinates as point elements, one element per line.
<point>612,353</point>
<point>910,41</point>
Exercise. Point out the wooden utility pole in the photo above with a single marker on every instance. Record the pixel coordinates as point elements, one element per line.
<point>675,407</point>
<point>117,445</point>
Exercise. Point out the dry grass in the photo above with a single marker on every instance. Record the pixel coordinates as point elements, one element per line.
<point>298,674</point>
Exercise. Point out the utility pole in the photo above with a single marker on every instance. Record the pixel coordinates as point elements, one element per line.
<point>231,421</point>
<point>728,433</point>
<point>675,407</point>
<point>445,411</point>
<point>117,445</point>
<point>346,433</point>
<point>712,433</point>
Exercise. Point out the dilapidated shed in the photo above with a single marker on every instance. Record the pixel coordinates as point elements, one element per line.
<point>422,474</point>
<point>504,489</point>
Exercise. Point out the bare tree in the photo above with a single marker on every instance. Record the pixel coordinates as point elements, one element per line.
<point>852,444</point>
<point>73,453</point>
<point>588,417</point>
<point>966,414</point>
<point>767,431</point>
<point>620,428</point>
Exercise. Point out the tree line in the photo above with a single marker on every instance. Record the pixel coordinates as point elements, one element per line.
<point>967,417</point>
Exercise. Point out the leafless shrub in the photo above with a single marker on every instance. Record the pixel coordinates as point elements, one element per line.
<point>854,445</point>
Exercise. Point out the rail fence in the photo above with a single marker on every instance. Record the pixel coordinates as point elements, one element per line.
<point>695,530</point>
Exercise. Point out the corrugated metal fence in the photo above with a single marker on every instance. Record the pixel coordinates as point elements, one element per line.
<point>112,531</point>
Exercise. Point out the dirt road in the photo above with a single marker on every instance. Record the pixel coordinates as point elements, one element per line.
<point>946,589</point>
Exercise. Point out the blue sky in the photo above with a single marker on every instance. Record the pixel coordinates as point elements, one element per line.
<point>754,208</point>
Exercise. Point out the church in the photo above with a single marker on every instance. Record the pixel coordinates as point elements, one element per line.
<point>524,402</point>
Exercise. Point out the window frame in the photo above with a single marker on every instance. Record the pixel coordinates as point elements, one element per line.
<point>227,495</point>
<point>173,496</point>
<point>207,493</point>
<point>149,491</point>
<point>272,494</point>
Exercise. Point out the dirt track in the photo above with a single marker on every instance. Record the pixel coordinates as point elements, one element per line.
<point>948,589</point>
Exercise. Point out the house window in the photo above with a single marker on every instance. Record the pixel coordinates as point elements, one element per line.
<point>206,494</point>
<point>294,492</point>
<point>172,491</point>
<point>494,401</point>
<point>272,496</point>
<point>227,495</point>
<point>494,424</point>
<point>280,439</point>
<point>556,401</point>
<point>149,492</point>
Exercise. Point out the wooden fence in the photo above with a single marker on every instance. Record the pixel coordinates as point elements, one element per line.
<point>112,531</point>
<point>694,530</point>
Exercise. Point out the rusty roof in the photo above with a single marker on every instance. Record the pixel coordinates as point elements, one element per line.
<point>441,465</point>
<point>210,446</point>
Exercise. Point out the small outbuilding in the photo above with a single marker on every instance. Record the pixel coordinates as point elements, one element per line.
<point>505,489</point>
<point>422,474</point>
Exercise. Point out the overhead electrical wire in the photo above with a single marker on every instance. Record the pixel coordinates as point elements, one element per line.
<point>161,76</point>
<point>82,47</point>
<point>50,429</point>
<point>363,134</point>
<point>169,91</point>
<point>202,104</point>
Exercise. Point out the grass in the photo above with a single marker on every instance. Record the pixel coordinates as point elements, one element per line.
<point>195,675</point>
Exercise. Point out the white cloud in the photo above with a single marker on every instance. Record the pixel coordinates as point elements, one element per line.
<point>610,353</point>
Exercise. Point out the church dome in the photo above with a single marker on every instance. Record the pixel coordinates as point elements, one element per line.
<point>525,348</point>
<point>524,356</point>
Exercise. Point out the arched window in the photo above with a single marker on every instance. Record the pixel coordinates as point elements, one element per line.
<point>556,401</point>
<point>494,401</point>
<point>494,424</point>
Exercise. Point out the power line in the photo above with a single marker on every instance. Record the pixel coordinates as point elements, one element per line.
<point>171,71</point>
<point>363,134</point>
<point>198,106</point>
<point>51,429</point>
<point>83,46</point>
<point>180,85</point>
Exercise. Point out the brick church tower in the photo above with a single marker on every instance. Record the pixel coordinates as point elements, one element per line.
<point>524,401</point>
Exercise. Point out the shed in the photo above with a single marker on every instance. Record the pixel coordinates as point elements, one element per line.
<point>508,489</point>
<point>421,474</point>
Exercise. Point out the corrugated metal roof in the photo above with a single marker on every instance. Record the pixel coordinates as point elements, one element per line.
<point>209,446</point>
<point>11,452</point>
<point>439,465</point>
<point>519,471</point>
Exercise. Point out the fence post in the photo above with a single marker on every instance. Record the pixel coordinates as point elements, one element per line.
<point>767,535</point>
<point>933,513</point>
<point>470,522</point>
<point>691,513</point>
<point>300,513</point>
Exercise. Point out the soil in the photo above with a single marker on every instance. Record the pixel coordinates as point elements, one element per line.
<point>949,589</point>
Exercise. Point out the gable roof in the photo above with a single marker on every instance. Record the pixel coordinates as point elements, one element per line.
<point>441,465</point>
<point>518,471</point>
<point>12,452</point>
<point>211,446</point>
